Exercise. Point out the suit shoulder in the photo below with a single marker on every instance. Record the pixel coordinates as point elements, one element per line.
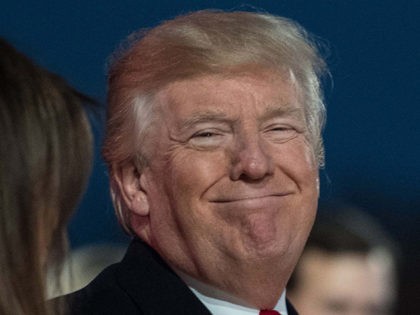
<point>102,296</point>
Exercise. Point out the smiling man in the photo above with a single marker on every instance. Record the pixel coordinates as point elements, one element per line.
<point>213,145</point>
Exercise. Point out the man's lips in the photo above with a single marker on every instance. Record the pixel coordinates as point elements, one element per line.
<point>249,197</point>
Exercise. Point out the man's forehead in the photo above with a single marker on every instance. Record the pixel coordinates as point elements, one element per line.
<point>267,75</point>
<point>214,95</point>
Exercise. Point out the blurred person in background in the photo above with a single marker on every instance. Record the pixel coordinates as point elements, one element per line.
<point>45,160</point>
<point>82,265</point>
<point>348,267</point>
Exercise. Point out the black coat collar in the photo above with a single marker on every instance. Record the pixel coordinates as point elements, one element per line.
<point>141,284</point>
<point>153,286</point>
<point>165,290</point>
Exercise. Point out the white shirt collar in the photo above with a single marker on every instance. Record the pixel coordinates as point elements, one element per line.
<point>221,303</point>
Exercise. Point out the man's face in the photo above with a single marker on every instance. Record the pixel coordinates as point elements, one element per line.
<point>232,179</point>
<point>343,284</point>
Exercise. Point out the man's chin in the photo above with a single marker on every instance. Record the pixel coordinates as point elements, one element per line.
<point>262,250</point>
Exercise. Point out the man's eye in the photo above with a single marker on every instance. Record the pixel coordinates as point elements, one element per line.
<point>282,133</point>
<point>207,139</point>
<point>205,134</point>
<point>281,129</point>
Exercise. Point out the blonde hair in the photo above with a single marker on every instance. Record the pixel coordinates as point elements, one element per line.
<point>204,42</point>
<point>45,159</point>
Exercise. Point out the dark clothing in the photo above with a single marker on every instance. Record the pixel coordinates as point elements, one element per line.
<point>142,283</point>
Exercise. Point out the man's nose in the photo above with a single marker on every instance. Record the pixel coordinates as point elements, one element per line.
<point>251,159</point>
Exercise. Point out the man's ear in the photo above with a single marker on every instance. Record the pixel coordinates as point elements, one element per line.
<point>133,193</point>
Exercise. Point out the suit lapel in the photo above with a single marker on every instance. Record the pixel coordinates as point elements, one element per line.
<point>153,286</point>
<point>290,309</point>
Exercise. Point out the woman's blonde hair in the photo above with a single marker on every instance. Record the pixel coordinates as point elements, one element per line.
<point>45,154</point>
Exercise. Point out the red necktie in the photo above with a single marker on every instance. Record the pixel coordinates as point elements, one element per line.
<point>269,312</point>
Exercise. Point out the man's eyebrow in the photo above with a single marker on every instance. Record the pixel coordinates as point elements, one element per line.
<point>282,111</point>
<point>204,117</point>
<point>271,112</point>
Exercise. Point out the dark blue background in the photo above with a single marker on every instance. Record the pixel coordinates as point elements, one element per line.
<point>373,133</point>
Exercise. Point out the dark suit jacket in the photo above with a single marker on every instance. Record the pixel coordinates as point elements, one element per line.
<point>142,284</point>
